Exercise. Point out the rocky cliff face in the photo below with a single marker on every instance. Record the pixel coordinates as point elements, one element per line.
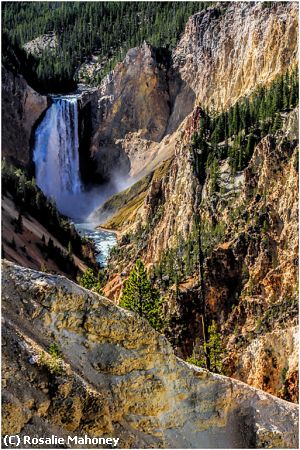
<point>251,276</point>
<point>270,362</point>
<point>117,377</point>
<point>229,50</point>
<point>133,100</point>
<point>225,52</point>
<point>46,42</point>
<point>268,242</point>
<point>21,108</point>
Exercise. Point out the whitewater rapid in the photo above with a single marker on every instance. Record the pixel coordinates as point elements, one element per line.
<point>104,240</point>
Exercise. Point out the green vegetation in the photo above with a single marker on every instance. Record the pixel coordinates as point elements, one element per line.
<point>281,312</point>
<point>197,361</point>
<point>54,350</point>
<point>52,360</point>
<point>235,133</point>
<point>138,295</point>
<point>182,261</point>
<point>107,29</point>
<point>29,199</point>
<point>91,281</point>
<point>284,392</point>
<point>213,349</point>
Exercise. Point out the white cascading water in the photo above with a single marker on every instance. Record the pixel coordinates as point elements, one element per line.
<point>56,155</point>
<point>56,158</point>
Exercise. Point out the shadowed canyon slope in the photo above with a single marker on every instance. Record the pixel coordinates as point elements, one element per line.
<point>21,108</point>
<point>118,377</point>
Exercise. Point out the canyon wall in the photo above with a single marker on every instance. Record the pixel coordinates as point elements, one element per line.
<point>251,276</point>
<point>230,49</point>
<point>133,103</point>
<point>117,377</point>
<point>144,114</point>
<point>21,109</point>
<point>225,53</point>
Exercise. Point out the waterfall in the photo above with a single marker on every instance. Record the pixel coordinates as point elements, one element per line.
<point>56,154</point>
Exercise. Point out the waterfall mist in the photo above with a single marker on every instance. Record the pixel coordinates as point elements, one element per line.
<point>56,158</point>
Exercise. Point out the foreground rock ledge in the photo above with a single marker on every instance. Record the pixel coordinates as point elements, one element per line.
<point>119,378</point>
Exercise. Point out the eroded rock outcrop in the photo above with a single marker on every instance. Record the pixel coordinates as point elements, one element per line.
<point>21,109</point>
<point>270,362</point>
<point>46,42</point>
<point>251,276</point>
<point>118,377</point>
<point>266,243</point>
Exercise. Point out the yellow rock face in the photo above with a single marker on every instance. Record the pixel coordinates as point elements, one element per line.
<point>119,377</point>
<point>226,53</point>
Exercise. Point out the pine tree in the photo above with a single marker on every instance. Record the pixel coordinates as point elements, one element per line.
<point>286,89</point>
<point>19,224</point>
<point>215,349</point>
<point>138,295</point>
<point>277,122</point>
<point>106,27</point>
<point>236,119</point>
<point>209,355</point>
<point>90,281</point>
<point>70,248</point>
<point>250,146</point>
<point>214,171</point>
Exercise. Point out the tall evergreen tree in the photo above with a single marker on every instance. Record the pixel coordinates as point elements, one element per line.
<point>251,141</point>
<point>211,353</point>
<point>138,295</point>
<point>214,348</point>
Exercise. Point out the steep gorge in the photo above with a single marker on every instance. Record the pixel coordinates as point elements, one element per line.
<point>116,375</point>
<point>251,275</point>
<point>225,52</point>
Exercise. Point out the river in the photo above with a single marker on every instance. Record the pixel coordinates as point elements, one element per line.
<point>104,240</point>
